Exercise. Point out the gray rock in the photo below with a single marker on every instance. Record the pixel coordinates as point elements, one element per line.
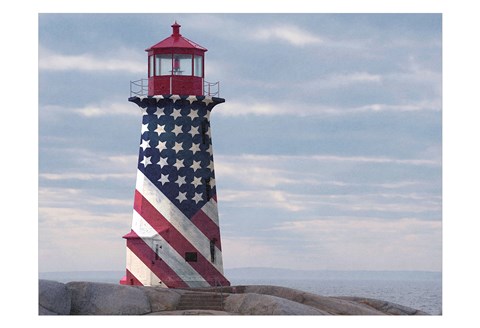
<point>256,304</point>
<point>191,312</point>
<point>53,298</point>
<point>386,307</point>
<point>107,299</point>
<point>162,299</point>
<point>44,311</point>
<point>329,305</point>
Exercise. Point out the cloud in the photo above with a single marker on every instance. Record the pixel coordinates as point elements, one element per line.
<point>119,108</point>
<point>366,243</point>
<point>70,237</point>
<point>287,33</point>
<point>344,79</point>
<point>282,107</point>
<point>73,199</point>
<point>340,243</point>
<point>123,61</point>
<point>241,251</point>
<point>296,183</point>
<point>86,176</point>
<point>91,110</point>
<point>270,162</point>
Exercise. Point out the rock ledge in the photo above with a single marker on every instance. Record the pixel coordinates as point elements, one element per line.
<point>91,298</point>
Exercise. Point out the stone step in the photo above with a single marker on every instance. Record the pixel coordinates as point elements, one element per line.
<point>200,301</point>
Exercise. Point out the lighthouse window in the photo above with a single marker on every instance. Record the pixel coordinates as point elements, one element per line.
<point>163,65</point>
<point>182,64</point>
<point>150,66</point>
<point>198,66</point>
<point>191,256</point>
<point>212,250</point>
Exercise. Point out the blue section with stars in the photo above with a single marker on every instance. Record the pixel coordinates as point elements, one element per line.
<point>176,150</point>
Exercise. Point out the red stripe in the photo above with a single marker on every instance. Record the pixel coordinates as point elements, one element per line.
<point>132,280</point>
<point>175,239</point>
<point>209,228</point>
<point>166,274</point>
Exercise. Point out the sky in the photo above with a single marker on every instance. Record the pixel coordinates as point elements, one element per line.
<point>328,148</point>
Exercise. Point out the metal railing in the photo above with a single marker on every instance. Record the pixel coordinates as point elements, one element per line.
<point>211,88</point>
<point>217,289</point>
<point>139,88</point>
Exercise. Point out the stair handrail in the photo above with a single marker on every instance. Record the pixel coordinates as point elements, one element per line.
<point>217,284</point>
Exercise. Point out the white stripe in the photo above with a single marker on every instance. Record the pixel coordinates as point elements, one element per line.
<point>211,210</point>
<point>163,205</point>
<point>167,253</point>
<point>141,271</point>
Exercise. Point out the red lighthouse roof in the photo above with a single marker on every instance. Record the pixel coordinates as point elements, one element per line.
<point>176,40</point>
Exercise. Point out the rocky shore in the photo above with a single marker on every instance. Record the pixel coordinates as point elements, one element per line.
<point>91,298</point>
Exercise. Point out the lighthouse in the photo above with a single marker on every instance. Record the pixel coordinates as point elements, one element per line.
<point>174,240</point>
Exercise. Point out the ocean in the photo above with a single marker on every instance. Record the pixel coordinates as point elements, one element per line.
<point>418,290</point>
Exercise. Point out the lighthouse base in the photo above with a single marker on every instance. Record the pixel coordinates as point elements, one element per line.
<point>147,268</point>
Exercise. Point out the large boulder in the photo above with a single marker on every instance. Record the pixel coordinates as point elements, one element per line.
<point>386,307</point>
<point>162,299</point>
<point>107,299</point>
<point>328,305</point>
<point>53,298</point>
<point>256,304</point>
<point>112,299</point>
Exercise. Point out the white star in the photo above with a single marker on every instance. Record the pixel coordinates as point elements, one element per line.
<point>146,161</point>
<point>180,181</point>
<point>193,131</point>
<point>181,196</point>
<point>159,112</point>
<point>162,162</point>
<point>197,198</point>
<point>210,150</point>
<point>197,181</point>
<point>177,130</point>
<point>163,179</point>
<point>212,183</point>
<point>179,164</point>
<point>195,147</point>
<point>158,98</point>
<point>207,100</point>
<point>175,97</point>
<point>145,144</point>
<point>210,166</point>
<point>191,99</point>
<point>196,166</point>
<point>161,145</point>
<point>176,113</point>
<point>193,114</point>
<point>144,128</point>
<point>160,129</point>
<point>178,146</point>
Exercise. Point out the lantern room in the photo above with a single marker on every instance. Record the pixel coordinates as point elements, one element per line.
<point>176,66</point>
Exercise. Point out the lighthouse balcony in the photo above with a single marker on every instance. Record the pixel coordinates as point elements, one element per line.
<point>173,85</point>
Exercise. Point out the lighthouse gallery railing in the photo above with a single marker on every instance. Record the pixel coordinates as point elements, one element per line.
<point>139,88</point>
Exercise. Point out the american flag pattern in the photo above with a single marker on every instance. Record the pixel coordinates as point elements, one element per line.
<point>175,236</point>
